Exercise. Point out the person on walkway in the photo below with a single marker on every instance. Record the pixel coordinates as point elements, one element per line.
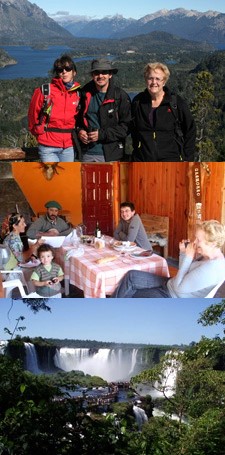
<point>52,114</point>
<point>130,227</point>
<point>104,115</point>
<point>50,224</point>
<point>162,126</point>
<point>201,268</point>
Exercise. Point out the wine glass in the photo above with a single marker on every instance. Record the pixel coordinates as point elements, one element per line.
<point>123,251</point>
<point>79,231</point>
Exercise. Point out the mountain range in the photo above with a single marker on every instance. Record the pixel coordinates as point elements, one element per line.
<point>22,22</point>
<point>189,24</point>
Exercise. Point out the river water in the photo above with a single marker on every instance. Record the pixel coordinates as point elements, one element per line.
<point>33,62</point>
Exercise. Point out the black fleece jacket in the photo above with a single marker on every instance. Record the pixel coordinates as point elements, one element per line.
<point>114,118</point>
<point>156,140</point>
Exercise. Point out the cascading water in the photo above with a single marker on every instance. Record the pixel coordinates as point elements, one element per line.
<point>31,358</point>
<point>133,360</point>
<point>140,416</point>
<point>109,364</point>
<point>167,384</point>
<point>68,359</point>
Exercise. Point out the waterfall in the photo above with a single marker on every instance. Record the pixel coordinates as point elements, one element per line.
<point>140,416</point>
<point>31,358</point>
<point>68,359</point>
<point>167,383</point>
<point>169,378</point>
<point>169,375</point>
<point>133,360</point>
<point>109,364</point>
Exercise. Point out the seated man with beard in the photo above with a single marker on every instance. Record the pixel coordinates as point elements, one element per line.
<point>50,224</point>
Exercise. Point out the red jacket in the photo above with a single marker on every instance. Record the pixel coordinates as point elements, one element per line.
<point>63,105</point>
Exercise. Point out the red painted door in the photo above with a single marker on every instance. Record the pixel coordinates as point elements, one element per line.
<point>97,190</point>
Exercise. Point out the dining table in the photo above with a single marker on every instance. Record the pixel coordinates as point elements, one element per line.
<point>97,271</point>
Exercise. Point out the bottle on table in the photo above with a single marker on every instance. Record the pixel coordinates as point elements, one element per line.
<point>98,233</point>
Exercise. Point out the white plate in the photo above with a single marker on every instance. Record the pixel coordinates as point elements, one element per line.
<point>54,241</point>
<point>125,248</point>
<point>30,264</point>
<point>139,257</point>
<point>120,246</point>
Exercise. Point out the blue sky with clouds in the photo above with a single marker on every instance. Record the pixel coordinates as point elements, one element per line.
<point>150,321</point>
<point>136,10</point>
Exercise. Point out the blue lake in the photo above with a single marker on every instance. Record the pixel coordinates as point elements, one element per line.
<point>33,62</point>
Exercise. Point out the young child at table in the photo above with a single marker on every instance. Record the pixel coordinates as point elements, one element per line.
<point>47,276</point>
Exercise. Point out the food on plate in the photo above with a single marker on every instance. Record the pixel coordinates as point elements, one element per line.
<point>126,244</point>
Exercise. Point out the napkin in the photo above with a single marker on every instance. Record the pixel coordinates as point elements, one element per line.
<point>75,253</point>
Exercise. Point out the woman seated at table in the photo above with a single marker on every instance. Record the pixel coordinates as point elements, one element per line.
<point>16,226</point>
<point>201,268</point>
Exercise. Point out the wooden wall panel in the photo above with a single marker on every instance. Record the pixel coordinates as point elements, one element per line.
<point>214,192</point>
<point>165,189</point>
<point>161,189</point>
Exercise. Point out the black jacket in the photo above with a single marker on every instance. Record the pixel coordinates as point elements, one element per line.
<point>160,141</point>
<point>114,119</point>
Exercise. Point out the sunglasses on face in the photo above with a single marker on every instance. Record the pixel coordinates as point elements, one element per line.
<point>97,73</point>
<point>59,70</point>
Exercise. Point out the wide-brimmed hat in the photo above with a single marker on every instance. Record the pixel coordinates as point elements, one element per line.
<point>102,65</point>
<point>53,204</point>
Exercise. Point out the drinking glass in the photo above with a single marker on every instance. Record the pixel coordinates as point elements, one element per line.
<point>79,231</point>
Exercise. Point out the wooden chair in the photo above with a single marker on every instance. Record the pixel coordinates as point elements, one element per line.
<point>157,229</point>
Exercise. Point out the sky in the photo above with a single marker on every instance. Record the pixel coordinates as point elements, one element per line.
<point>136,10</point>
<point>148,321</point>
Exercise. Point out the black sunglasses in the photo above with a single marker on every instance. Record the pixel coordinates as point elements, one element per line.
<point>96,73</point>
<point>59,70</point>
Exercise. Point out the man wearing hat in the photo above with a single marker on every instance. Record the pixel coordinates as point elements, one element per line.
<point>49,224</point>
<point>104,115</point>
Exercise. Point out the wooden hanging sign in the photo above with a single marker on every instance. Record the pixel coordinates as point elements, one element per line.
<point>197,190</point>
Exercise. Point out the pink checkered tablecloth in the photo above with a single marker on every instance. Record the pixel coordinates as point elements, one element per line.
<point>99,280</point>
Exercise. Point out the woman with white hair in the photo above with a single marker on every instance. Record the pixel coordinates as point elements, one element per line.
<point>162,127</point>
<point>201,268</point>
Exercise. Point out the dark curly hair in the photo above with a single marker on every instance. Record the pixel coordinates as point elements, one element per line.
<point>14,219</point>
<point>43,248</point>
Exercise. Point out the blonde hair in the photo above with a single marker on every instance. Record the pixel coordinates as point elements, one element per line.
<point>157,65</point>
<point>214,232</point>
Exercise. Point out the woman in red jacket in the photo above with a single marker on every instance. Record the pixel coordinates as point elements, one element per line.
<point>53,111</point>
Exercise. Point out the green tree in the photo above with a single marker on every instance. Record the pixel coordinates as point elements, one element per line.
<point>205,435</point>
<point>206,116</point>
<point>162,436</point>
<point>36,304</point>
<point>17,328</point>
<point>214,314</point>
